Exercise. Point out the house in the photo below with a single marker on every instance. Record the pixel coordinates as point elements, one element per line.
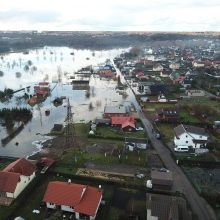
<point>174,66</point>
<point>161,180</point>
<point>188,136</point>
<point>179,80</point>
<point>198,64</point>
<point>83,200</point>
<point>166,72</point>
<point>138,143</point>
<point>144,87</point>
<point>195,93</point>
<point>120,110</point>
<point>157,67</point>
<point>126,123</point>
<point>168,115</point>
<point>57,129</point>
<point>158,89</point>
<point>102,121</point>
<point>14,179</point>
<point>166,207</point>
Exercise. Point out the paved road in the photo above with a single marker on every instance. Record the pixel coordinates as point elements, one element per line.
<point>199,206</point>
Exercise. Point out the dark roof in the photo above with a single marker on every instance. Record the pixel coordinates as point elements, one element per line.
<point>21,166</point>
<point>102,121</point>
<point>161,178</point>
<point>57,127</point>
<point>8,181</point>
<point>181,129</point>
<point>168,111</point>
<point>167,207</point>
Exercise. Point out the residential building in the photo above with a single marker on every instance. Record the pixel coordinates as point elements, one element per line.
<point>195,93</point>
<point>82,200</point>
<point>14,179</point>
<point>174,66</point>
<point>161,180</point>
<point>126,123</point>
<point>120,110</point>
<point>166,207</point>
<point>170,115</point>
<point>188,136</point>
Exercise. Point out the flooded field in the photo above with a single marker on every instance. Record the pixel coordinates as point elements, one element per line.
<point>54,65</point>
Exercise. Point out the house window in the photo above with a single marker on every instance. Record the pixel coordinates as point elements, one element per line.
<point>186,142</point>
<point>200,136</point>
<point>186,136</point>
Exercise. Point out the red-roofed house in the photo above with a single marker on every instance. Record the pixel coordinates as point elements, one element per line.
<point>126,123</point>
<point>80,199</point>
<point>14,179</point>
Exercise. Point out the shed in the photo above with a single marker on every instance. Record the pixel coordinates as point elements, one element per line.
<point>162,180</point>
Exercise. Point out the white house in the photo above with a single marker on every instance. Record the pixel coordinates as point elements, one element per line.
<point>14,179</point>
<point>195,93</point>
<point>80,199</point>
<point>188,136</point>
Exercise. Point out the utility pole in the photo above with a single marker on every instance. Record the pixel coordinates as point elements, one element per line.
<point>70,130</point>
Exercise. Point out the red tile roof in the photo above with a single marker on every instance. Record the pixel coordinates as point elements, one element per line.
<point>8,181</point>
<point>21,166</point>
<point>90,201</point>
<point>123,121</point>
<point>84,199</point>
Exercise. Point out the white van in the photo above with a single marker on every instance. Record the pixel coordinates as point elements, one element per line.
<point>181,149</point>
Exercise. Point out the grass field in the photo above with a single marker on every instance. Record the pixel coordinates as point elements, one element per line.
<point>166,131</point>
<point>107,132</point>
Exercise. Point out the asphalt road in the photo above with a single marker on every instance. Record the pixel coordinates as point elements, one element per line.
<point>198,205</point>
<point>181,183</point>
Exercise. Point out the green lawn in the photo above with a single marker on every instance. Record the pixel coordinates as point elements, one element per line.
<point>166,131</point>
<point>75,159</point>
<point>34,199</point>
<point>107,132</point>
<point>185,117</point>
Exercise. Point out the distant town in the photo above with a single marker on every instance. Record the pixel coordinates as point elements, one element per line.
<point>136,136</point>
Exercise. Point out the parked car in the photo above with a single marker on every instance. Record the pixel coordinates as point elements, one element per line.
<point>163,169</point>
<point>139,129</point>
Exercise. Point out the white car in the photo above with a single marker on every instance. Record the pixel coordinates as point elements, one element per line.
<point>139,129</point>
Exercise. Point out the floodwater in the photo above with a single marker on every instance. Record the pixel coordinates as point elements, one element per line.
<point>53,65</point>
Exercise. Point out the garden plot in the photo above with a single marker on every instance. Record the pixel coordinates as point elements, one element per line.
<point>205,180</point>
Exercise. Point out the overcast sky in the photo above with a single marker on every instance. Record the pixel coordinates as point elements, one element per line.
<point>110,15</point>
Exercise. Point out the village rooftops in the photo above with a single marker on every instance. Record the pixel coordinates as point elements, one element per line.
<point>116,109</point>
<point>161,178</point>
<point>181,129</point>
<point>8,181</point>
<point>21,166</point>
<point>164,207</point>
<point>84,199</point>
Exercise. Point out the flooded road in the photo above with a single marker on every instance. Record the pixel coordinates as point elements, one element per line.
<point>54,65</point>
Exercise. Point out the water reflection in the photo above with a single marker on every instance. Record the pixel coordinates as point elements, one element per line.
<point>39,65</point>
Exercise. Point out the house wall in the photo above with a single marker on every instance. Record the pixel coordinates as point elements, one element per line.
<point>9,195</point>
<point>22,184</point>
<point>149,216</point>
<point>51,205</point>
<point>67,208</point>
<point>186,139</point>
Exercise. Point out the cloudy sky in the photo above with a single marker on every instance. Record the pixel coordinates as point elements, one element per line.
<point>114,15</point>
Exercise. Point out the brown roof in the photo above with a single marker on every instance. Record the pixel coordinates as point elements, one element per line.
<point>84,199</point>
<point>8,181</point>
<point>181,129</point>
<point>161,178</point>
<point>21,166</point>
<point>167,207</point>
